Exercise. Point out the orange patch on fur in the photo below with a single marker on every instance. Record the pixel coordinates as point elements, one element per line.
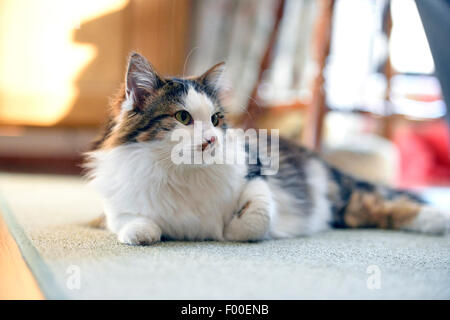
<point>116,101</point>
<point>372,210</point>
<point>111,141</point>
<point>242,210</point>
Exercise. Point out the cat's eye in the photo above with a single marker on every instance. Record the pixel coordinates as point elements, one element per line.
<point>215,119</point>
<point>184,117</point>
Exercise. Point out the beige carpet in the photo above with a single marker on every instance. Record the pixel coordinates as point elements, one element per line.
<point>47,215</point>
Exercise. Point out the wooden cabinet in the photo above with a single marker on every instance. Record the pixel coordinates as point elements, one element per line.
<point>60,61</point>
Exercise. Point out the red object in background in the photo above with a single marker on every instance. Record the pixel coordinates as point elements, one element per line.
<point>424,154</point>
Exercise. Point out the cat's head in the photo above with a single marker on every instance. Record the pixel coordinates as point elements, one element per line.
<point>150,108</point>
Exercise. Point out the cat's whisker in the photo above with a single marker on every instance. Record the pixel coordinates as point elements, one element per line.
<point>187,59</point>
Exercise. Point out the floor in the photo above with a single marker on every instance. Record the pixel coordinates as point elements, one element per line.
<point>16,280</point>
<point>48,215</point>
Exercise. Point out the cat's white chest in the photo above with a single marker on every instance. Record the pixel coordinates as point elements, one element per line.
<point>196,208</point>
<point>185,204</point>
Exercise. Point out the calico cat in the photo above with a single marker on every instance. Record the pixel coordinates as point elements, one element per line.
<point>146,196</point>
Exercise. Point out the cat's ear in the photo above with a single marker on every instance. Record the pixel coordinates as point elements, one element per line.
<point>213,77</point>
<point>141,80</point>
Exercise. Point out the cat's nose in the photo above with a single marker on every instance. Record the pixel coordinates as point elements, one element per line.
<point>212,140</point>
<point>209,141</point>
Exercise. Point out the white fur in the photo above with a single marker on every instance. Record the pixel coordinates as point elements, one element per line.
<point>201,109</point>
<point>253,223</point>
<point>139,230</point>
<point>199,105</point>
<point>127,105</point>
<point>289,221</point>
<point>317,178</point>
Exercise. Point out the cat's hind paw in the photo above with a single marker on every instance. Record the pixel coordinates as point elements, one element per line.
<point>248,224</point>
<point>430,220</point>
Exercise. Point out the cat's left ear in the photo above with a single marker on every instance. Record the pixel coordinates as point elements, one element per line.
<point>213,77</point>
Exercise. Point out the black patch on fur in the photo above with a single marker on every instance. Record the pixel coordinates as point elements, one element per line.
<point>188,83</point>
<point>395,193</point>
<point>149,125</point>
<point>345,186</point>
<point>104,133</point>
<point>253,170</point>
<point>292,176</point>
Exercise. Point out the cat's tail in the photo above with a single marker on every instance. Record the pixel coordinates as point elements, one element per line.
<point>359,204</point>
<point>99,222</point>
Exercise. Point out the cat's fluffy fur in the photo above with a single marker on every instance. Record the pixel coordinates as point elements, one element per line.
<point>147,197</point>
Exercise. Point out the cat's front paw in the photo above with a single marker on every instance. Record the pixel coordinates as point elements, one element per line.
<point>139,232</point>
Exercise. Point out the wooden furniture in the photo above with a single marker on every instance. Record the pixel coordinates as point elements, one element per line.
<point>254,110</point>
<point>387,121</point>
<point>316,108</point>
<point>316,112</point>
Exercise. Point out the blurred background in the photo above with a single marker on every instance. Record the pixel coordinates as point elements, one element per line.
<point>353,79</point>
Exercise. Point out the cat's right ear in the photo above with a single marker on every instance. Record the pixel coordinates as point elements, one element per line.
<point>141,81</point>
<point>212,78</point>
